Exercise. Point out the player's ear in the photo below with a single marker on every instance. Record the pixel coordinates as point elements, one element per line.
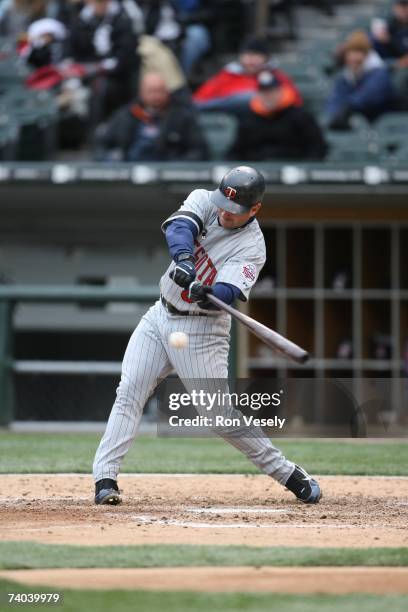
<point>255,208</point>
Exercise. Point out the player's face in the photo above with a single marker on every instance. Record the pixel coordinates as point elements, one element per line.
<point>232,221</point>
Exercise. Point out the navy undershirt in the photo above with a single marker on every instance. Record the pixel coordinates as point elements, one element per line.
<point>180,235</point>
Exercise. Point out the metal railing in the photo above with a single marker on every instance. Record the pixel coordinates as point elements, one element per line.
<point>11,295</point>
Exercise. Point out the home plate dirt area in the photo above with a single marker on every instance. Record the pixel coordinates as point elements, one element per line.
<point>212,510</point>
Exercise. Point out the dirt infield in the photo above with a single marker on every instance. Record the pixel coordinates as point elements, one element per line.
<point>205,509</point>
<point>335,580</point>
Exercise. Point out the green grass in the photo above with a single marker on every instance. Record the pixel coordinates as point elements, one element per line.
<point>31,555</point>
<point>47,453</point>
<point>144,601</point>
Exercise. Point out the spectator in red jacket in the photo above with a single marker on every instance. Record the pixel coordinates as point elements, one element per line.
<point>231,88</point>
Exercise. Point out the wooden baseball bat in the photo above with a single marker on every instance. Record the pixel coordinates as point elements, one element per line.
<point>271,338</point>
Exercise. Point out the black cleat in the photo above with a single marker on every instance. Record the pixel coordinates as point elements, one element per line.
<point>306,488</point>
<point>107,492</point>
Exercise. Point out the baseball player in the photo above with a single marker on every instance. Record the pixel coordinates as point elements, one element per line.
<point>217,247</point>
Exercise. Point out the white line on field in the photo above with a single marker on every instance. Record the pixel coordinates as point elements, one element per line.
<point>148,520</point>
<point>224,510</point>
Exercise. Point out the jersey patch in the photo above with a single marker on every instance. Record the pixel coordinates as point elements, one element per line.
<point>249,273</point>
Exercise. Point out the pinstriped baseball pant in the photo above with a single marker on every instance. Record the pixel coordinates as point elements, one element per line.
<point>148,359</point>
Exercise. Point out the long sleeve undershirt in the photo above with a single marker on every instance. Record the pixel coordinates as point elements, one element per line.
<point>180,235</point>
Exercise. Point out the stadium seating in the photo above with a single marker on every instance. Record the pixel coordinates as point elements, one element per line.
<point>314,95</point>
<point>219,130</point>
<point>311,64</point>
<point>391,133</point>
<point>9,134</point>
<point>352,146</point>
<point>35,112</point>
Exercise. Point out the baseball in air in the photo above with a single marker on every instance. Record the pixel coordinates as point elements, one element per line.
<point>178,340</point>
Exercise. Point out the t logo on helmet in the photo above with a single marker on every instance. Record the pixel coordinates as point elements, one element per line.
<point>230,192</point>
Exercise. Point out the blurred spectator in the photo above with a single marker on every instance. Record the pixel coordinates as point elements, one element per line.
<point>103,35</point>
<point>154,128</point>
<point>46,38</point>
<point>231,89</point>
<point>157,57</point>
<point>390,37</point>
<point>135,15</point>
<point>196,16</point>
<point>182,25</point>
<point>64,10</point>
<point>390,40</point>
<point>364,85</point>
<point>18,16</point>
<point>275,128</point>
<point>162,21</point>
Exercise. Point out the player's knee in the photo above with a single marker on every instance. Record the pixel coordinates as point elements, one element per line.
<point>130,391</point>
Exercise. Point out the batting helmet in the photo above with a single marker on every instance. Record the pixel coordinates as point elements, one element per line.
<point>240,188</point>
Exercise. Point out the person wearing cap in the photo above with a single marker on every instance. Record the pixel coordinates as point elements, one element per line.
<point>364,85</point>
<point>274,128</point>
<point>46,38</point>
<point>232,87</point>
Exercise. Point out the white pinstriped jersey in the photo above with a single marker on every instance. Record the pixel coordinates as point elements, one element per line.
<point>234,256</point>
<point>223,255</point>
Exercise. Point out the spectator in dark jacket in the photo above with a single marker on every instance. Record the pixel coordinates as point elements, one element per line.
<point>196,16</point>
<point>390,40</point>
<point>274,128</point>
<point>155,128</point>
<point>103,35</point>
<point>364,85</point>
<point>162,21</point>
<point>390,37</point>
<point>232,87</point>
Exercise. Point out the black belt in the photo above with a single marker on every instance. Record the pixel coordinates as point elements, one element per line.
<point>182,313</point>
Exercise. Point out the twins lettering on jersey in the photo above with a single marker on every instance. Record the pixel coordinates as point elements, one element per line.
<point>205,269</point>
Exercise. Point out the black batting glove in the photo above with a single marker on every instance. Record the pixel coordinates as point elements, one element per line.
<point>184,273</point>
<point>197,292</point>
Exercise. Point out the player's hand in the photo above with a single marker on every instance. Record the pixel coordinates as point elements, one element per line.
<point>197,292</point>
<point>184,273</point>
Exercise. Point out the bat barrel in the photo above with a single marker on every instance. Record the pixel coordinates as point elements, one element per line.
<point>271,338</point>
